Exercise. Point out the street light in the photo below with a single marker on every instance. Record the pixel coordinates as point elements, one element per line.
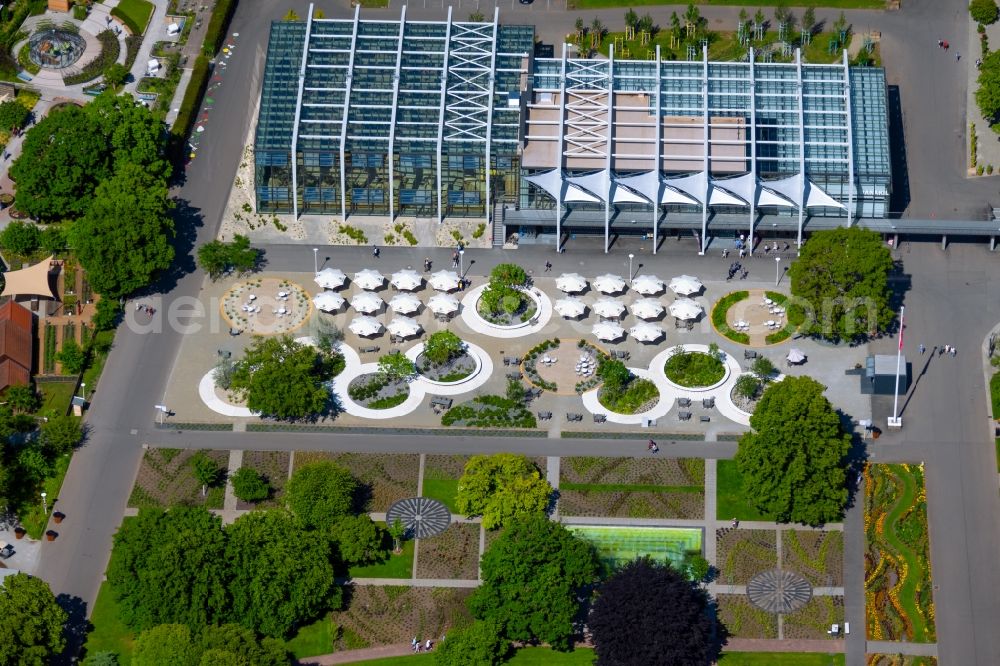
<point>461,262</point>
<point>777,270</point>
<point>315,260</point>
<point>45,504</point>
<point>83,390</point>
<point>630,258</point>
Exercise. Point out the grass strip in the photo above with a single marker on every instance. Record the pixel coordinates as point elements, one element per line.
<point>628,488</point>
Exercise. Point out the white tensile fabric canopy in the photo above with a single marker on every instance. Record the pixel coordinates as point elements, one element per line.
<point>609,307</point>
<point>328,301</point>
<point>685,308</point>
<point>648,284</point>
<point>570,307</point>
<point>369,279</point>
<point>331,278</point>
<point>404,303</point>
<point>647,308</point>
<point>685,285</point>
<point>443,304</point>
<point>609,283</point>
<point>444,280</point>
<point>367,302</point>
<point>795,355</point>
<point>403,327</point>
<point>365,326</point>
<point>646,332</point>
<point>571,283</point>
<point>406,280</point>
<point>607,330</point>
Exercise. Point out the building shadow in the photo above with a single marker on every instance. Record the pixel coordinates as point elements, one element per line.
<point>899,198</point>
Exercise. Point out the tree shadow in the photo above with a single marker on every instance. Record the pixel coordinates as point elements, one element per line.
<point>187,221</point>
<point>75,630</point>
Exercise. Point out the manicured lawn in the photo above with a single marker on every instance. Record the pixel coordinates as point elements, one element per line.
<point>55,397</point>
<point>109,633</point>
<point>137,10</point>
<point>32,518</point>
<point>529,656</point>
<point>443,490</point>
<point>397,566</point>
<point>995,394</point>
<point>781,658</point>
<point>313,639</point>
<point>730,502</point>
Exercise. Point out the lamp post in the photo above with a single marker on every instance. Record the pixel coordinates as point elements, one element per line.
<point>777,270</point>
<point>315,260</point>
<point>83,390</point>
<point>630,258</point>
<point>45,504</point>
<point>461,263</point>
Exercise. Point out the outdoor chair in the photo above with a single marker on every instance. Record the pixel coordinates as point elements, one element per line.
<point>684,416</point>
<point>684,402</point>
<point>708,403</point>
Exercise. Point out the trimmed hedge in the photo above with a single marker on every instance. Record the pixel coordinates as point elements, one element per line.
<point>218,26</point>
<point>108,56</point>
<point>189,107</point>
<point>719,316</point>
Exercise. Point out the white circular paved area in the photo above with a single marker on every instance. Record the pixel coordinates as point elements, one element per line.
<point>534,325</point>
<point>479,376</point>
<point>206,390</point>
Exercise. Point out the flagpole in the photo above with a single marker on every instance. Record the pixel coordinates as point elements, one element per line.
<point>895,421</point>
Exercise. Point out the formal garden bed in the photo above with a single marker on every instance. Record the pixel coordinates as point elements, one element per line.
<point>272,466</point>
<point>393,615</point>
<point>795,317</point>
<point>719,312</point>
<point>506,300</point>
<point>622,392</point>
<point>817,555</point>
<point>441,475</point>
<point>813,620</point>
<point>452,554</point>
<point>166,478</point>
<point>695,369</point>
<point>490,411</point>
<point>899,660</point>
<point>384,477</point>
<point>375,390</point>
<point>530,364</point>
<point>633,502</point>
<point>744,620</point>
<point>742,554</point>
<point>445,358</point>
<point>589,470</point>
<point>899,601</point>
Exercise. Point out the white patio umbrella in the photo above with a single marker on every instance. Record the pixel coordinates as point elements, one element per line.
<point>407,279</point>
<point>647,308</point>
<point>648,284</point>
<point>444,280</point>
<point>646,332</point>
<point>795,355</point>
<point>607,330</point>
<point>328,301</point>
<point>365,326</point>
<point>403,327</point>
<point>609,283</point>
<point>367,302</point>
<point>571,283</point>
<point>443,304</point>
<point>685,285</point>
<point>570,307</point>
<point>369,279</point>
<point>404,303</point>
<point>330,278</point>
<point>685,308</point>
<point>609,307</point>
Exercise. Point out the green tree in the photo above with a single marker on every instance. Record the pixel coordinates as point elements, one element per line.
<point>170,566</point>
<point>282,574</point>
<point>21,399</point>
<point>396,367</point>
<point>808,20</point>
<point>53,238</point>
<point>747,386</point>
<point>359,539</point>
<point>72,357</point>
<point>509,275</point>
<point>793,459</point>
<point>102,658</point>
<point>249,485</point>
<point>443,346</point>
<point>165,644</point>
<point>205,470</point>
<point>615,375</point>
<point>982,11</point>
<point>13,115</point>
<point>281,378</point>
<point>31,622</point>
<point>59,435</point>
<point>133,134</point>
<point>532,577</point>
<point>124,239</point>
<point>763,368</point>
<point>843,276</point>
<point>988,92</point>
<point>115,75</point>
<point>106,314</point>
<point>397,532</point>
<point>20,237</point>
<point>502,488</point>
<point>216,257</point>
<point>242,646</point>
<point>479,644</point>
<point>696,566</point>
<point>319,493</point>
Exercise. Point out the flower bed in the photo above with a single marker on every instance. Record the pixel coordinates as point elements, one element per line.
<point>744,620</point>
<point>531,364</point>
<point>898,590</point>
<point>719,312</point>
<point>742,554</point>
<point>452,554</point>
<point>273,466</point>
<point>489,411</point>
<point>452,370</point>
<point>817,555</point>
<point>394,614</point>
<point>385,477</point>
<point>641,395</point>
<point>633,471</point>
<point>693,369</point>
<point>813,620</point>
<point>377,391</point>
<point>635,502</point>
<point>166,479</point>
<point>796,317</point>
<point>594,381</point>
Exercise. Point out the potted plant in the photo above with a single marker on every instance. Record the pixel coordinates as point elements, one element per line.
<point>51,535</point>
<point>58,516</point>
<point>19,532</point>
<point>6,199</point>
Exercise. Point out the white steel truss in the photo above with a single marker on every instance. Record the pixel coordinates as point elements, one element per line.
<point>470,81</point>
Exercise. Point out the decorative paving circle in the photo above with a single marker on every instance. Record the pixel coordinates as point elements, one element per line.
<point>779,591</point>
<point>421,516</point>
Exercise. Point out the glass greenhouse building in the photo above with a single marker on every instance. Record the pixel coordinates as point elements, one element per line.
<point>445,118</point>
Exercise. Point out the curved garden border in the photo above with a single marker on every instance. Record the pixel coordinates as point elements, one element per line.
<point>718,318</point>
<point>479,376</point>
<point>729,364</point>
<point>475,321</point>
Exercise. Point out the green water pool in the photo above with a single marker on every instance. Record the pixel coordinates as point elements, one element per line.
<point>617,545</point>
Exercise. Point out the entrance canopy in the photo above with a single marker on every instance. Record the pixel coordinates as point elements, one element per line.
<point>31,281</point>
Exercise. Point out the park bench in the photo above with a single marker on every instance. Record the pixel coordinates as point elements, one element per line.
<point>705,418</point>
<point>370,350</point>
<point>600,418</point>
<point>544,416</point>
<point>515,375</point>
<point>749,354</point>
<point>438,401</point>
<point>570,416</point>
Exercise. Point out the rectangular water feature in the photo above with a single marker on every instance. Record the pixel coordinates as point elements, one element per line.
<point>617,544</point>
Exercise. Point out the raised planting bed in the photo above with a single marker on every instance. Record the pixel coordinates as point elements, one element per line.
<point>744,620</point>
<point>742,554</point>
<point>376,391</point>
<point>453,370</point>
<point>813,620</point>
<point>899,605</point>
<point>719,311</point>
<point>531,364</point>
<point>693,369</point>
<point>452,554</point>
<point>386,477</point>
<point>393,615</point>
<point>514,307</point>
<point>273,467</point>
<point>818,556</point>
<point>489,411</point>
<point>166,479</point>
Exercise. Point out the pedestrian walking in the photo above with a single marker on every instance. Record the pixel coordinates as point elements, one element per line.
<point>415,644</point>
<point>958,56</point>
<point>941,349</point>
<point>427,265</point>
<point>736,523</point>
<point>940,43</point>
<point>427,645</point>
<point>922,349</point>
<point>650,445</point>
<point>954,351</point>
<point>743,253</point>
<point>375,251</point>
<point>548,266</point>
<point>725,252</point>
